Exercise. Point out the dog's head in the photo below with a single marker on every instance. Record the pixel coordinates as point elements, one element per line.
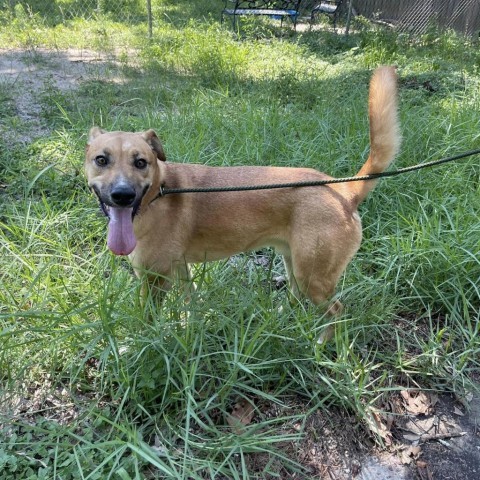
<point>121,168</point>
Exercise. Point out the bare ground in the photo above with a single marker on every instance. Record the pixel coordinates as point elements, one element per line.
<point>32,73</point>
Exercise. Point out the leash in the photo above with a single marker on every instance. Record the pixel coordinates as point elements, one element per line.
<point>372,176</point>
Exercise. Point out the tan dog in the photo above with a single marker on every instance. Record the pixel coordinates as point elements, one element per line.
<point>316,229</point>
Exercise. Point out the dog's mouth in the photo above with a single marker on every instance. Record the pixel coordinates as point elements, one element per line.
<point>121,238</point>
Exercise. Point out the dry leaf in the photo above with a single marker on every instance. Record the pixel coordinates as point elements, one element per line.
<point>409,454</point>
<point>411,437</point>
<point>420,426</point>
<point>457,411</point>
<point>377,425</point>
<point>415,452</point>
<point>242,415</point>
<point>464,398</point>
<point>390,421</point>
<point>405,458</point>
<point>417,403</point>
<point>424,471</point>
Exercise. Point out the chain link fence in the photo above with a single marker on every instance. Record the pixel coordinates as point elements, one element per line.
<point>413,16</point>
<point>55,12</point>
<point>59,11</point>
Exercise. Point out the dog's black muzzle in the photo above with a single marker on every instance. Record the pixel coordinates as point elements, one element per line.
<point>122,196</point>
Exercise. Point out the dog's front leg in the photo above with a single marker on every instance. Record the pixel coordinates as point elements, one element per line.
<point>183,273</point>
<point>295,295</point>
<point>153,288</point>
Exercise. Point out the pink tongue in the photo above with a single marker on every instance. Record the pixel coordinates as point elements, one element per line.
<point>121,239</point>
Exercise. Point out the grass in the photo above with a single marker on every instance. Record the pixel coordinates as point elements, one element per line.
<point>90,388</point>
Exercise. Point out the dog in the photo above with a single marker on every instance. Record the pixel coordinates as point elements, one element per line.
<point>316,229</point>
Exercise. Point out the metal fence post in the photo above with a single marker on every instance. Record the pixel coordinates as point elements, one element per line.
<point>100,6</point>
<point>149,14</point>
<point>349,17</point>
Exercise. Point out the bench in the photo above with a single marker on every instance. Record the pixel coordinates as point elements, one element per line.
<point>278,9</point>
<point>327,7</point>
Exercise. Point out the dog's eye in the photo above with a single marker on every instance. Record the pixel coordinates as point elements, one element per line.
<point>140,163</point>
<point>101,161</point>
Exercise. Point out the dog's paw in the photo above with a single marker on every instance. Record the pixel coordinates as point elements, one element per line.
<point>326,335</point>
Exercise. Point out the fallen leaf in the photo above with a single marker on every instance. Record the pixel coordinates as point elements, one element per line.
<point>411,437</point>
<point>390,421</point>
<point>242,415</point>
<point>420,426</point>
<point>417,403</point>
<point>415,451</point>
<point>457,411</point>
<point>409,454</point>
<point>424,471</point>
<point>433,399</point>
<point>377,425</point>
<point>464,398</point>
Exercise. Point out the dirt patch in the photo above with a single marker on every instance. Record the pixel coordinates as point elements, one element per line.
<point>30,74</point>
<point>442,443</point>
<point>458,457</point>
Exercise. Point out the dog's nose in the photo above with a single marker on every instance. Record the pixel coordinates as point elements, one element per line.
<point>123,195</point>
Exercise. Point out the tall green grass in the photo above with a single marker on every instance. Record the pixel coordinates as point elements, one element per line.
<point>95,385</point>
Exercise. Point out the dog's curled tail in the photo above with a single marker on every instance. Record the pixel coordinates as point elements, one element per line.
<point>384,129</point>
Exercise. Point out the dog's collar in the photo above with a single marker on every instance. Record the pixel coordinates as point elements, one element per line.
<point>160,193</point>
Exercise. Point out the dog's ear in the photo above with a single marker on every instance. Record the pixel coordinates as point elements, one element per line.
<point>94,133</point>
<point>151,138</point>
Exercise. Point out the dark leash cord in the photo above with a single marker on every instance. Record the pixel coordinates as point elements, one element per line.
<point>373,176</point>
